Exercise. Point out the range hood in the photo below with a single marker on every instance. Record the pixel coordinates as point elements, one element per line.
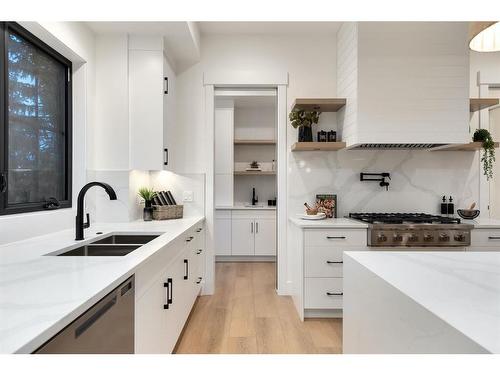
<point>406,84</point>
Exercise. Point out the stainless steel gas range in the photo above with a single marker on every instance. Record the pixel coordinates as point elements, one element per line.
<point>414,230</point>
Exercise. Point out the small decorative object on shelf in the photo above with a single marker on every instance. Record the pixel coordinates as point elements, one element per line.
<point>304,120</point>
<point>254,166</point>
<point>148,195</point>
<point>488,158</point>
<point>322,136</point>
<point>332,136</point>
<point>166,207</point>
<point>327,203</point>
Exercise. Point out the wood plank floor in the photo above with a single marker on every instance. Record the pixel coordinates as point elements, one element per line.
<point>245,315</point>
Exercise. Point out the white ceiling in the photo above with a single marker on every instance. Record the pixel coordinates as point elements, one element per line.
<point>272,28</point>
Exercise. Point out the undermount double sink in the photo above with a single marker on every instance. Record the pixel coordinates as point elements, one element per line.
<point>114,245</point>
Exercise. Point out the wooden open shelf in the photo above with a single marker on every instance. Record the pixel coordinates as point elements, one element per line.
<point>254,142</point>
<point>472,146</point>
<point>320,105</point>
<point>254,173</point>
<point>318,146</point>
<point>477,104</point>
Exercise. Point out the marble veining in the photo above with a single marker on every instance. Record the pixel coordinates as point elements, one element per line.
<point>461,288</point>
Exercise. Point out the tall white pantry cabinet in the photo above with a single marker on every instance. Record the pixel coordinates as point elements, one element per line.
<point>151,104</point>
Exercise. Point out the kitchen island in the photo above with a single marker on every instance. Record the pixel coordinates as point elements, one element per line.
<point>421,302</point>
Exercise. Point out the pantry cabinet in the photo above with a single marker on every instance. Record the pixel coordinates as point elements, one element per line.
<point>245,233</point>
<point>167,291</point>
<point>151,105</point>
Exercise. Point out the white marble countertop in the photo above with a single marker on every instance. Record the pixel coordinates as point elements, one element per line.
<point>40,295</point>
<point>483,223</point>
<point>328,223</point>
<point>461,288</point>
<point>272,208</point>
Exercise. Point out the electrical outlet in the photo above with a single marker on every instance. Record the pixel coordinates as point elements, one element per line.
<point>187,196</point>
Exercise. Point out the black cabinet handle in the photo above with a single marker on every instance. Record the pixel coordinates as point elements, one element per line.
<point>171,290</point>
<point>335,237</point>
<point>186,269</point>
<point>189,239</point>
<point>199,230</point>
<point>167,303</point>
<point>332,262</point>
<point>199,251</point>
<point>165,160</point>
<point>494,238</point>
<point>199,280</point>
<point>334,294</point>
<point>165,85</point>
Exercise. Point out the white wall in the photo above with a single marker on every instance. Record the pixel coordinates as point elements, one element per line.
<point>75,41</point>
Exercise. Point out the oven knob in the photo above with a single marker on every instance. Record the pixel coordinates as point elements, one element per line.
<point>381,238</point>
<point>397,238</point>
<point>413,238</point>
<point>428,237</point>
<point>443,237</point>
<point>460,237</point>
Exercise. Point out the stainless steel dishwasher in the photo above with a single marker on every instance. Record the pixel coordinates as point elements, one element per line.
<point>105,328</point>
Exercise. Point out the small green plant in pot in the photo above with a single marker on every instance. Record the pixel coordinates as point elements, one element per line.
<point>148,195</point>
<point>304,120</point>
<point>488,158</point>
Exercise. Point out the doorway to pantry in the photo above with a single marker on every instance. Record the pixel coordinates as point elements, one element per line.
<point>245,174</point>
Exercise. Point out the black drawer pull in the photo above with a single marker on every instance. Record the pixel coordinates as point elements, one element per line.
<point>199,280</point>
<point>189,239</point>
<point>494,238</point>
<point>167,304</point>
<point>332,262</point>
<point>186,269</point>
<point>334,294</point>
<point>199,230</point>
<point>199,251</point>
<point>335,237</point>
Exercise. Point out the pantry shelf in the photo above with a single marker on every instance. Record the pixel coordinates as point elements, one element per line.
<point>254,142</point>
<point>254,173</point>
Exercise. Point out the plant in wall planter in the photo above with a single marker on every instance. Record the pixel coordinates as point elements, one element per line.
<point>148,195</point>
<point>488,158</point>
<point>304,120</point>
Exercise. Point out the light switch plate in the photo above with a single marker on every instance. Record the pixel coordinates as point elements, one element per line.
<point>187,196</point>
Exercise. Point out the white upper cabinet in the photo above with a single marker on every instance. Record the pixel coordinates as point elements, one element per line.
<point>151,104</point>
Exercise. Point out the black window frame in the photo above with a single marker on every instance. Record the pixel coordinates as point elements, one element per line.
<point>5,208</point>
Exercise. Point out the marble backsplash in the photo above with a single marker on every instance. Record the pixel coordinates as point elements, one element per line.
<point>419,178</point>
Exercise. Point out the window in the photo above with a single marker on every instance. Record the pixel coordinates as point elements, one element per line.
<point>35,123</point>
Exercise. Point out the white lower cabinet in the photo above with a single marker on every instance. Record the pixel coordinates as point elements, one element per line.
<point>163,307</point>
<point>242,235</point>
<point>483,239</point>
<point>245,233</point>
<point>265,237</point>
<point>317,267</point>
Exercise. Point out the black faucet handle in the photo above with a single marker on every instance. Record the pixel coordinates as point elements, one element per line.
<point>87,224</point>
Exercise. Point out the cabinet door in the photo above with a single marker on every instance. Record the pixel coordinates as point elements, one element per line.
<point>169,115</point>
<point>146,109</point>
<point>223,190</point>
<point>151,330</point>
<point>265,237</point>
<point>222,236</point>
<point>224,128</point>
<point>242,236</point>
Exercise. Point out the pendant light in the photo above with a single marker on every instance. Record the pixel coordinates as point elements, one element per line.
<point>485,37</point>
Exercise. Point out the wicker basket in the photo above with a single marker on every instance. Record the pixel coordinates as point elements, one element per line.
<point>167,212</point>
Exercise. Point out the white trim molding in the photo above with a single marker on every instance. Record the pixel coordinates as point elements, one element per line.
<point>248,78</point>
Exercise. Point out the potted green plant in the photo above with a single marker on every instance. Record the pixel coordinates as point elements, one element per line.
<point>148,195</point>
<point>488,158</point>
<point>304,120</point>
